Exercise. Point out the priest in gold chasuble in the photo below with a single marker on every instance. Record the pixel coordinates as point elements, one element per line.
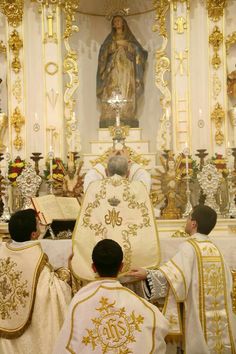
<point>121,210</point>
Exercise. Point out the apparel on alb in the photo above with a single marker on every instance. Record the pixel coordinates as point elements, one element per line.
<point>105,317</point>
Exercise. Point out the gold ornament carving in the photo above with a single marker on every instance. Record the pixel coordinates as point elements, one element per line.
<point>180,25</point>
<point>215,9</point>
<point>162,66</point>
<point>161,7</point>
<point>133,156</point>
<point>216,86</point>
<point>15,44</point>
<point>230,40</point>
<point>122,133</point>
<point>2,47</point>
<point>175,3</point>
<point>17,90</point>
<point>13,10</point>
<point>51,68</point>
<point>70,65</point>
<point>17,120</point>
<point>218,116</point>
<point>215,40</point>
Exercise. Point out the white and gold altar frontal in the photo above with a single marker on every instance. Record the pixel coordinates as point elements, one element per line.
<point>49,51</point>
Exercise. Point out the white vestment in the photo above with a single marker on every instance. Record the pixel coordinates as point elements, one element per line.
<point>200,279</point>
<point>117,209</point>
<point>136,173</point>
<point>105,317</point>
<point>33,300</point>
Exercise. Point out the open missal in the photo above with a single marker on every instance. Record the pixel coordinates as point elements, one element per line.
<point>49,208</point>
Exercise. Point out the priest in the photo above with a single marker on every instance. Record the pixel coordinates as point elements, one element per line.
<point>119,209</point>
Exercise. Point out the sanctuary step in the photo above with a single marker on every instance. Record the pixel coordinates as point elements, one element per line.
<point>133,140</point>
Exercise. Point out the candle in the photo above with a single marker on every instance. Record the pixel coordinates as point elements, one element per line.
<point>186,158</point>
<point>36,117</point>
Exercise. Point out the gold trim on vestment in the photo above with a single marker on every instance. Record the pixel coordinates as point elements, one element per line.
<point>212,283</point>
<point>145,303</point>
<point>15,333</point>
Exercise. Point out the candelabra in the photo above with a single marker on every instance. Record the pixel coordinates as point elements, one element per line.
<point>201,154</point>
<point>36,158</point>
<point>50,182</point>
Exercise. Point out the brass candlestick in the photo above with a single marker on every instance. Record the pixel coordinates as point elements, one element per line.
<point>201,154</point>
<point>36,158</point>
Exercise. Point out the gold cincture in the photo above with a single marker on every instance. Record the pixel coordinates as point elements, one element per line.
<point>15,44</point>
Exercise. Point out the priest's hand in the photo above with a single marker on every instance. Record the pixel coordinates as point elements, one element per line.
<point>138,273</point>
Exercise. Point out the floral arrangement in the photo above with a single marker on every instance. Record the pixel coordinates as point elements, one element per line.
<point>15,168</point>
<point>220,163</point>
<point>58,170</point>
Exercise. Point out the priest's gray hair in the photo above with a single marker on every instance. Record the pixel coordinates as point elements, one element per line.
<point>117,165</point>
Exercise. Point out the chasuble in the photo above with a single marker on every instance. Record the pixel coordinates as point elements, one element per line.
<point>120,210</point>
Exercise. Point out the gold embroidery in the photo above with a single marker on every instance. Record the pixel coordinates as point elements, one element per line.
<point>113,328</point>
<point>13,289</point>
<point>212,296</point>
<point>113,218</point>
<point>113,201</point>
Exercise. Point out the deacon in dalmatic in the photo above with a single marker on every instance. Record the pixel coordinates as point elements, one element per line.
<point>198,277</point>
<point>33,300</point>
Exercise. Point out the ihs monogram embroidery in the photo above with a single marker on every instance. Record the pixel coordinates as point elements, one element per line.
<point>114,329</point>
<point>13,289</point>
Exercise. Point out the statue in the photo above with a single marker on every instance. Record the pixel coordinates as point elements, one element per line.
<point>121,65</point>
<point>73,181</point>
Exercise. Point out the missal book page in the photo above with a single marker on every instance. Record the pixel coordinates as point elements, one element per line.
<point>69,207</point>
<point>47,208</point>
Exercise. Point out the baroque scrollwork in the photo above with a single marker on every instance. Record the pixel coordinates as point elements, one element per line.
<point>215,9</point>
<point>15,44</point>
<point>70,68</point>
<point>13,10</point>
<point>161,67</point>
<point>218,116</point>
